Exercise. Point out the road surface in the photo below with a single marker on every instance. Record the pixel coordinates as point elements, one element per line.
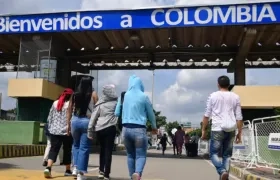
<point>158,167</point>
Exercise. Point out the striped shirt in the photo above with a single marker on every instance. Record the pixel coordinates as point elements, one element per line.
<point>223,106</point>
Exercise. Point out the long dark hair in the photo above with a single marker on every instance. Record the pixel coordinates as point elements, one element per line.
<point>83,95</point>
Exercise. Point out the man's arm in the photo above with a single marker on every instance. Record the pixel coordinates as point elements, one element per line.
<point>207,113</point>
<point>205,123</point>
<point>238,116</point>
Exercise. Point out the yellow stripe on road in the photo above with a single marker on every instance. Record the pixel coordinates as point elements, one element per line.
<point>19,174</point>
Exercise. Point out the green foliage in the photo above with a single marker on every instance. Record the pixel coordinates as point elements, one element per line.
<point>171,125</point>
<point>277,111</point>
<point>160,120</point>
<point>195,132</point>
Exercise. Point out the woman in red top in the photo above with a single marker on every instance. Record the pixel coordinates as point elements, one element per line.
<point>180,139</point>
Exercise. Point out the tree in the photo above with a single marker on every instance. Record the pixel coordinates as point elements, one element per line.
<point>171,125</point>
<point>160,120</point>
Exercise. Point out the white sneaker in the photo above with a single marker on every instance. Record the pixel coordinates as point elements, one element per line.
<point>74,172</point>
<point>81,177</point>
<point>47,173</point>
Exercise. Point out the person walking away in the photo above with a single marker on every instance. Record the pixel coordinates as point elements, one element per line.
<point>94,99</point>
<point>174,145</point>
<point>81,106</point>
<point>187,142</point>
<point>47,150</point>
<point>224,109</point>
<point>180,139</point>
<point>163,142</point>
<point>137,108</point>
<point>59,133</point>
<point>104,121</point>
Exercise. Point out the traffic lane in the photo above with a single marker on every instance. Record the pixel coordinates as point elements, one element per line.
<point>158,167</point>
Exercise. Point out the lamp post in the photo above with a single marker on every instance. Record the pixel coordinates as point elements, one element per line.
<point>153,81</point>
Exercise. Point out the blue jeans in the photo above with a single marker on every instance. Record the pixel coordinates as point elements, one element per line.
<point>81,143</point>
<point>136,142</point>
<point>221,140</point>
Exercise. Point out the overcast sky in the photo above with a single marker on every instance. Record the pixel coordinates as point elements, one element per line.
<point>179,94</point>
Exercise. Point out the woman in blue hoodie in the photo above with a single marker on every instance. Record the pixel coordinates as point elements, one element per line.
<point>136,110</point>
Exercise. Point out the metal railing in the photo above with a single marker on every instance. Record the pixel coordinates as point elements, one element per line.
<point>254,151</point>
<point>263,127</point>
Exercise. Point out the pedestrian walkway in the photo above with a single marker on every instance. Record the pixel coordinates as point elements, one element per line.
<point>158,167</point>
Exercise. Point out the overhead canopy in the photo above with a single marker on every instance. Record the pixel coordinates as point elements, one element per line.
<point>194,37</point>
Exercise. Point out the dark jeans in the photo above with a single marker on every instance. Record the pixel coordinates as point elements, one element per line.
<point>163,148</point>
<point>221,140</point>
<point>187,148</point>
<point>56,142</point>
<point>175,147</point>
<point>106,138</point>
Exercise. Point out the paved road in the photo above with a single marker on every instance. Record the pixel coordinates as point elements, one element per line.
<point>158,167</point>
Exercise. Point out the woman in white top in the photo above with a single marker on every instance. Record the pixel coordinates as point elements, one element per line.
<point>60,133</point>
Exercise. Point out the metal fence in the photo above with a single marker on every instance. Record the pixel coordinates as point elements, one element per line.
<point>265,156</point>
<point>244,151</point>
<point>254,150</point>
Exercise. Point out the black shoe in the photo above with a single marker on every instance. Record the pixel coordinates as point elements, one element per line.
<point>45,163</point>
<point>61,164</point>
<point>68,173</point>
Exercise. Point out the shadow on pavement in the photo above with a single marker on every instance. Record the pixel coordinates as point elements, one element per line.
<point>111,178</point>
<point>159,155</point>
<point>7,166</point>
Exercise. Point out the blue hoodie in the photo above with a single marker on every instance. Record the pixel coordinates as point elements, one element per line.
<point>137,107</point>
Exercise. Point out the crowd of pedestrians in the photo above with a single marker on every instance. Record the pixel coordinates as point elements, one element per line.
<point>77,117</point>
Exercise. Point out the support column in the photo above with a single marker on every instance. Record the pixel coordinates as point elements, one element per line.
<point>237,66</point>
<point>63,70</point>
<point>240,73</point>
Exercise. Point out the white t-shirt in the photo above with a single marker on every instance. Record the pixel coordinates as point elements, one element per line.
<point>224,109</point>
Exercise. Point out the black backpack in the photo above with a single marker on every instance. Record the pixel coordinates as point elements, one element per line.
<point>121,109</point>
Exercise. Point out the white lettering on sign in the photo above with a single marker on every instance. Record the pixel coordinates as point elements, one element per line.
<point>232,14</point>
<point>147,18</point>
<point>48,24</point>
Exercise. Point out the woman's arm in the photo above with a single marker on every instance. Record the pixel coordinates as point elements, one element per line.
<point>118,108</point>
<point>50,116</point>
<point>92,122</point>
<point>69,115</point>
<point>94,97</point>
<point>49,120</point>
<point>150,113</point>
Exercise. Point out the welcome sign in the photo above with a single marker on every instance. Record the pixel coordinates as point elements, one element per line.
<point>148,18</point>
<point>274,141</point>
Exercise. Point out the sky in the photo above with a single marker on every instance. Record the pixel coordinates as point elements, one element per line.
<point>179,94</point>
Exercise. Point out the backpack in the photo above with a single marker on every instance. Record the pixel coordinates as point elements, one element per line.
<point>121,109</point>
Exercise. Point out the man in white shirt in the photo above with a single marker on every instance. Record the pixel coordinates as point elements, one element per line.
<point>224,108</point>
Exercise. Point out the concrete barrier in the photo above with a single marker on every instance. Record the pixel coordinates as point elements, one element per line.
<point>243,174</point>
<point>9,151</point>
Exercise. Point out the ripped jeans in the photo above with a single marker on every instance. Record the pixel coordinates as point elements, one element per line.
<point>221,140</point>
<point>136,142</point>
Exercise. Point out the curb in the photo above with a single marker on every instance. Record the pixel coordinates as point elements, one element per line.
<point>244,175</point>
<point>9,151</point>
